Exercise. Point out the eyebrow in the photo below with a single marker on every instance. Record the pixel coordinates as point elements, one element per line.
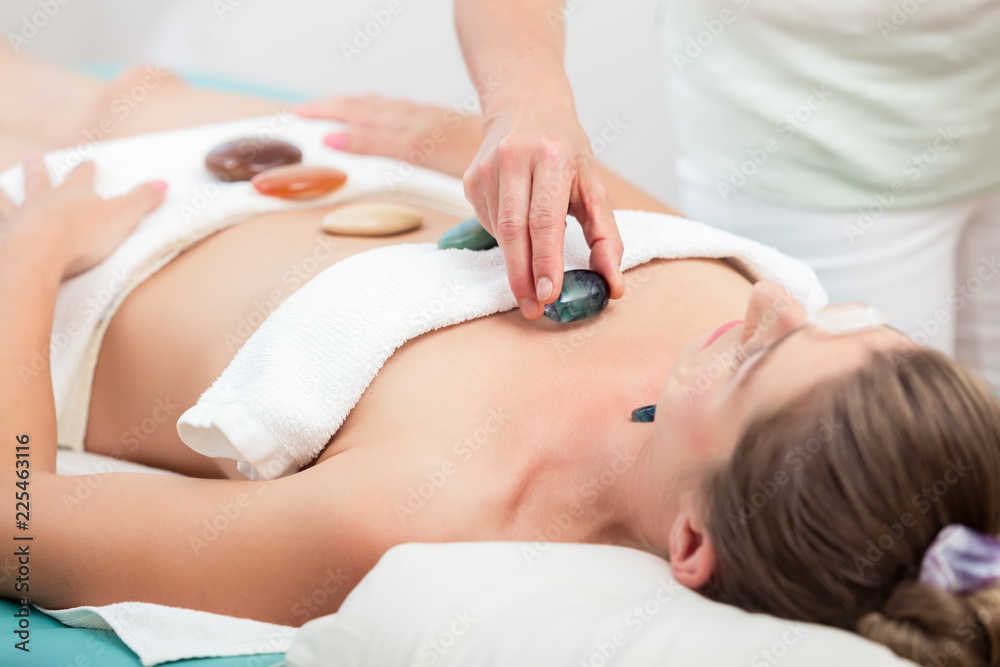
<point>762,357</point>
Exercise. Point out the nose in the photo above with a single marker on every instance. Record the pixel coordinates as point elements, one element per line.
<point>771,313</point>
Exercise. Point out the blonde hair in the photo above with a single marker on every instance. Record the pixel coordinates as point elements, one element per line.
<point>826,508</point>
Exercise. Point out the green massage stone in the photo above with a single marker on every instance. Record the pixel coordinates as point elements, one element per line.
<point>469,235</point>
<point>584,294</point>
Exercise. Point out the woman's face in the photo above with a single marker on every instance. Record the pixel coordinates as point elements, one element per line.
<point>725,379</point>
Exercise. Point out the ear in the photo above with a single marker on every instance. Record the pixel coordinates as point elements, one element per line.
<point>692,554</point>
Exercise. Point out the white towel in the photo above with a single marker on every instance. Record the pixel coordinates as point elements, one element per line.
<point>196,206</point>
<point>293,383</point>
<point>160,634</point>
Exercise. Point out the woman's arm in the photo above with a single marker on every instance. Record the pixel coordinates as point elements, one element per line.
<point>283,551</point>
<point>56,234</point>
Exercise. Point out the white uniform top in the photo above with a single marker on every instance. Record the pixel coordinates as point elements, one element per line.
<point>835,104</point>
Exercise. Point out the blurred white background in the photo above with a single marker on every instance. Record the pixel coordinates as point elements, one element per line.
<point>613,56</point>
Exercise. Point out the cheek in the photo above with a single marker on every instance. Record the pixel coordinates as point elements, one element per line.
<point>690,423</point>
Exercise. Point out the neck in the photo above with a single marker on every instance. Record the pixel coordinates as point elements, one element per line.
<point>630,486</point>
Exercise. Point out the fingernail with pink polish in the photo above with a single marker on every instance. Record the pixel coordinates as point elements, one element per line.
<point>161,186</point>
<point>336,141</point>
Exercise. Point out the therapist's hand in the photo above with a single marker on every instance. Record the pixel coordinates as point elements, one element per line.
<point>445,140</point>
<point>536,165</point>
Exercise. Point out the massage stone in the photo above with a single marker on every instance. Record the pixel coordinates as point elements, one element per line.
<point>242,159</point>
<point>644,414</point>
<point>469,235</point>
<point>584,294</point>
<point>297,181</point>
<point>380,219</point>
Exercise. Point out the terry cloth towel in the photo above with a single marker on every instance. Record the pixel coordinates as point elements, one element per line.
<point>196,206</point>
<point>161,634</point>
<point>293,383</point>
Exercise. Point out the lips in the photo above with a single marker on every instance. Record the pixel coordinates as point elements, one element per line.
<point>714,336</point>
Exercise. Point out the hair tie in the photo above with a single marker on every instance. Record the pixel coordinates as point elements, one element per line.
<point>961,560</point>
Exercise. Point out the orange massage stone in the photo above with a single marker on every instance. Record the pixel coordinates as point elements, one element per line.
<point>298,181</point>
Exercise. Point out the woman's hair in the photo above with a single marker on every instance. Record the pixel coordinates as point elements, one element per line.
<point>827,506</point>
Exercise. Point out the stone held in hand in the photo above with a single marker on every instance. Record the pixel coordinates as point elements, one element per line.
<point>298,181</point>
<point>242,159</point>
<point>584,294</point>
<point>372,219</point>
<point>469,235</point>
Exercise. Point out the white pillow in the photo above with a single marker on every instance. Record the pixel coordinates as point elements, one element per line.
<point>578,605</point>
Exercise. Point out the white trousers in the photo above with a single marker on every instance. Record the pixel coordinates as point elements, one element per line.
<point>934,271</point>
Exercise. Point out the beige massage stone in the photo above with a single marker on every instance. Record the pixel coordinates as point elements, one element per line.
<point>380,219</point>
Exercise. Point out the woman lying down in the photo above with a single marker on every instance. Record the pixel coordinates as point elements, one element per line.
<point>798,467</point>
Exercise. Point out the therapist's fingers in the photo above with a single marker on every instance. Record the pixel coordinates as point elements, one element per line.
<point>368,111</point>
<point>368,142</point>
<point>550,193</point>
<point>512,232</point>
<point>482,187</point>
<point>591,206</point>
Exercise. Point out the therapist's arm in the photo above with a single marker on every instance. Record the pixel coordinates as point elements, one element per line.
<point>535,162</point>
<point>436,138</point>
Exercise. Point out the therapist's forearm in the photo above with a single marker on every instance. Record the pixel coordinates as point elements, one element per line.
<point>519,45</point>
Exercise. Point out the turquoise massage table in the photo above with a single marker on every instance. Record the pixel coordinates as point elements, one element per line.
<point>53,644</point>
